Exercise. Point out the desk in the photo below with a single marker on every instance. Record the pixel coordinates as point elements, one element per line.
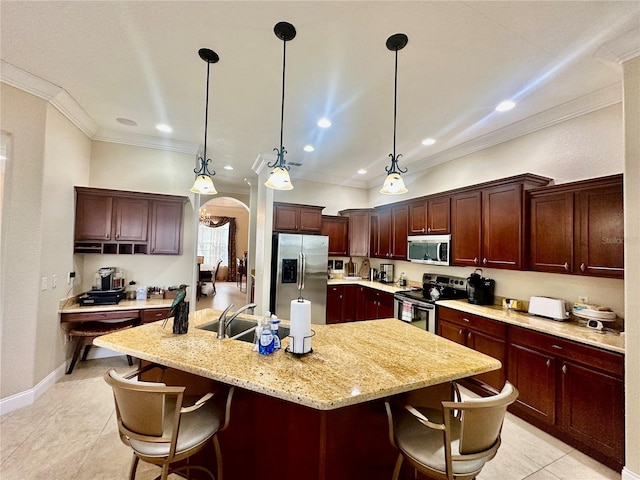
<point>324,411</point>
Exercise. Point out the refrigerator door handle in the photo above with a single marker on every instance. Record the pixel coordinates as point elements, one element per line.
<point>302,259</point>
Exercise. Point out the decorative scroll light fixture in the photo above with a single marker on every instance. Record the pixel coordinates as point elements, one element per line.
<point>203,183</point>
<point>279,177</point>
<point>394,184</point>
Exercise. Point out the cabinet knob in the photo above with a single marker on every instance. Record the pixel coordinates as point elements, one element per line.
<point>548,362</point>
<point>117,236</point>
<point>582,267</point>
<point>564,369</point>
<point>475,260</point>
<point>566,266</point>
<point>422,229</point>
<point>429,229</point>
<point>484,261</point>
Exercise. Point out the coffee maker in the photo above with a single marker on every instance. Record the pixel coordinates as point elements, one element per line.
<point>386,273</point>
<point>108,288</point>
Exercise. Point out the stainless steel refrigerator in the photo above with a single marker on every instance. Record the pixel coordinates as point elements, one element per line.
<point>299,261</point>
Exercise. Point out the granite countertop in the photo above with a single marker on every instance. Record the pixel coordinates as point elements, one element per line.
<point>569,330</point>
<point>351,363</point>
<point>123,305</point>
<point>384,287</point>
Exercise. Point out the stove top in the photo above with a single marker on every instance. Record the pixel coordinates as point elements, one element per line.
<point>437,287</point>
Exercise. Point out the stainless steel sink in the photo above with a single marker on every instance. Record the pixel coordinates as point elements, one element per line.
<point>242,330</point>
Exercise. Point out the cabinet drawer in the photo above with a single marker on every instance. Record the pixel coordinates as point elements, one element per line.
<point>611,362</point>
<point>491,327</point>
<point>335,289</point>
<point>154,314</point>
<point>100,316</point>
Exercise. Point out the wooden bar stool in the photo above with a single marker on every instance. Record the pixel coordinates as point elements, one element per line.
<point>85,332</point>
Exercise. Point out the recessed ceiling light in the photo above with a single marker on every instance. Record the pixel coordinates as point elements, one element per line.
<point>362,171</point>
<point>428,141</point>
<point>164,128</point>
<point>505,106</point>
<point>309,148</point>
<point>324,123</point>
<point>126,121</point>
<point>228,167</point>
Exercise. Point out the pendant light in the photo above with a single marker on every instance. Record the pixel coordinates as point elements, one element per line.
<point>279,176</point>
<point>394,184</point>
<point>203,183</point>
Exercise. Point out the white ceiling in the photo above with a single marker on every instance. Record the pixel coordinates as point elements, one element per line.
<point>98,61</point>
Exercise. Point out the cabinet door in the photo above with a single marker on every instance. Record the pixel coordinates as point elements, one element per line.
<point>310,219</point>
<point>384,233</point>
<point>385,305</point>
<point>502,227</point>
<point>93,217</point>
<point>600,232</point>
<point>166,227</point>
<point>593,408</point>
<point>451,331</point>
<point>533,373</point>
<point>285,218</point>
<point>550,220</point>
<point>359,234</point>
<point>418,218</point>
<point>349,302</point>
<point>334,303</point>
<point>370,304</point>
<point>399,225</point>
<point>336,228</point>
<point>374,238</point>
<point>131,216</point>
<point>466,235</point>
<point>494,347</point>
<point>360,303</point>
<point>439,216</point>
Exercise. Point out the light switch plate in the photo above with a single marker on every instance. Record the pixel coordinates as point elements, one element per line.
<point>43,284</point>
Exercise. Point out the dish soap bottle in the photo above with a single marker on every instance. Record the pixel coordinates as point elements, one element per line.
<point>275,322</point>
<point>403,280</point>
<point>258,330</point>
<point>266,338</point>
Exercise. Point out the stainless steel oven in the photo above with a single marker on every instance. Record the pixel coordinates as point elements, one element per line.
<point>412,307</point>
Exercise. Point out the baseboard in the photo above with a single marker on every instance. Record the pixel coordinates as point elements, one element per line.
<point>26,398</point>
<point>629,475</point>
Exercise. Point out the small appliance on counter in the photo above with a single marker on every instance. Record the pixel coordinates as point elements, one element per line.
<point>386,273</point>
<point>480,289</point>
<point>108,288</point>
<point>553,308</point>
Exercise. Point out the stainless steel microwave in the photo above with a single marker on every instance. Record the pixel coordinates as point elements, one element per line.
<point>429,249</point>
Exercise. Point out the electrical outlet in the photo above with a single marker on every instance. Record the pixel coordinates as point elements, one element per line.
<point>70,277</point>
<point>54,281</point>
<point>583,299</point>
<point>43,283</point>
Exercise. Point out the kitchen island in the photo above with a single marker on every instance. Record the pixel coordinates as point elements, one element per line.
<point>319,416</point>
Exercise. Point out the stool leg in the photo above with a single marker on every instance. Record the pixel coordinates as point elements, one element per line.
<point>76,353</point>
<point>86,352</point>
<point>130,360</point>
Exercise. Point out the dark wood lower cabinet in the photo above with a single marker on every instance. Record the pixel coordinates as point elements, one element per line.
<point>348,303</point>
<point>573,391</point>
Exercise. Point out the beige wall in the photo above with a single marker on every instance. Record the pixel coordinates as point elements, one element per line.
<point>49,156</point>
<point>333,197</point>
<point>632,262</point>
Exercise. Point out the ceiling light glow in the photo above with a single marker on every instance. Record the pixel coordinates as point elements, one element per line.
<point>428,141</point>
<point>324,123</point>
<point>309,148</point>
<point>164,128</point>
<point>228,167</point>
<point>505,106</point>
<point>362,171</point>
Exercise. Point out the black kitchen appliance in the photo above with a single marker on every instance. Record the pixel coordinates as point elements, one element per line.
<point>419,305</point>
<point>108,288</point>
<point>480,289</point>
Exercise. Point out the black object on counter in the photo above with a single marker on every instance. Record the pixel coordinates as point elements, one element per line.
<point>480,290</point>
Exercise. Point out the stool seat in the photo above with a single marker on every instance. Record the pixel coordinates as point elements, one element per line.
<point>85,332</point>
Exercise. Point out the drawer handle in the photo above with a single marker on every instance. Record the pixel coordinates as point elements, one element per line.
<point>557,347</point>
<point>469,335</point>
<point>566,266</point>
<point>475,260</point>
<point>564,369</point>
<point>429,229</point>
<point>466,319</point>
<point>582,267</point>
<point>484,261</point>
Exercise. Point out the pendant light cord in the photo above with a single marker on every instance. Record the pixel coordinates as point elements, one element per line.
<point>206,117</point>
<point>395,104</point>
<point>284,59</point>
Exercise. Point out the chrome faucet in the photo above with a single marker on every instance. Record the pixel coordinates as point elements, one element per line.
<point>224,322</point>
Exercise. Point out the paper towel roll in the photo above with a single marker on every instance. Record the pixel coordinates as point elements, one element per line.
<point>300,316</point>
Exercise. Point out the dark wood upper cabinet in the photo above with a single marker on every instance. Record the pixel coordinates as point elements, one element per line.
<point>359,231</point>
<point>337,229</point>
<point>466,224</point>
<point>418,218</point>
<point>295,218</point>
<point>577,228</point>
<point>389,235</point>
<point>439,216</point>
<point>123,222</point>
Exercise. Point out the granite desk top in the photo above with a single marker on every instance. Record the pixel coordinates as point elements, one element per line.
<point>351,363</point>
<point>123,305</point>
<point>570,330</point>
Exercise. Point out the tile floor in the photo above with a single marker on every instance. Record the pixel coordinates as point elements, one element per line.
<point>48,440</point>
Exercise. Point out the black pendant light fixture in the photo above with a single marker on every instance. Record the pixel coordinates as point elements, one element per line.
<point>203,183</point>
<point>279,177</point>
<point>394,184</point>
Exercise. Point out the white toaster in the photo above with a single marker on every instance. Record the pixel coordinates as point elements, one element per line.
<point>548,307</point>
